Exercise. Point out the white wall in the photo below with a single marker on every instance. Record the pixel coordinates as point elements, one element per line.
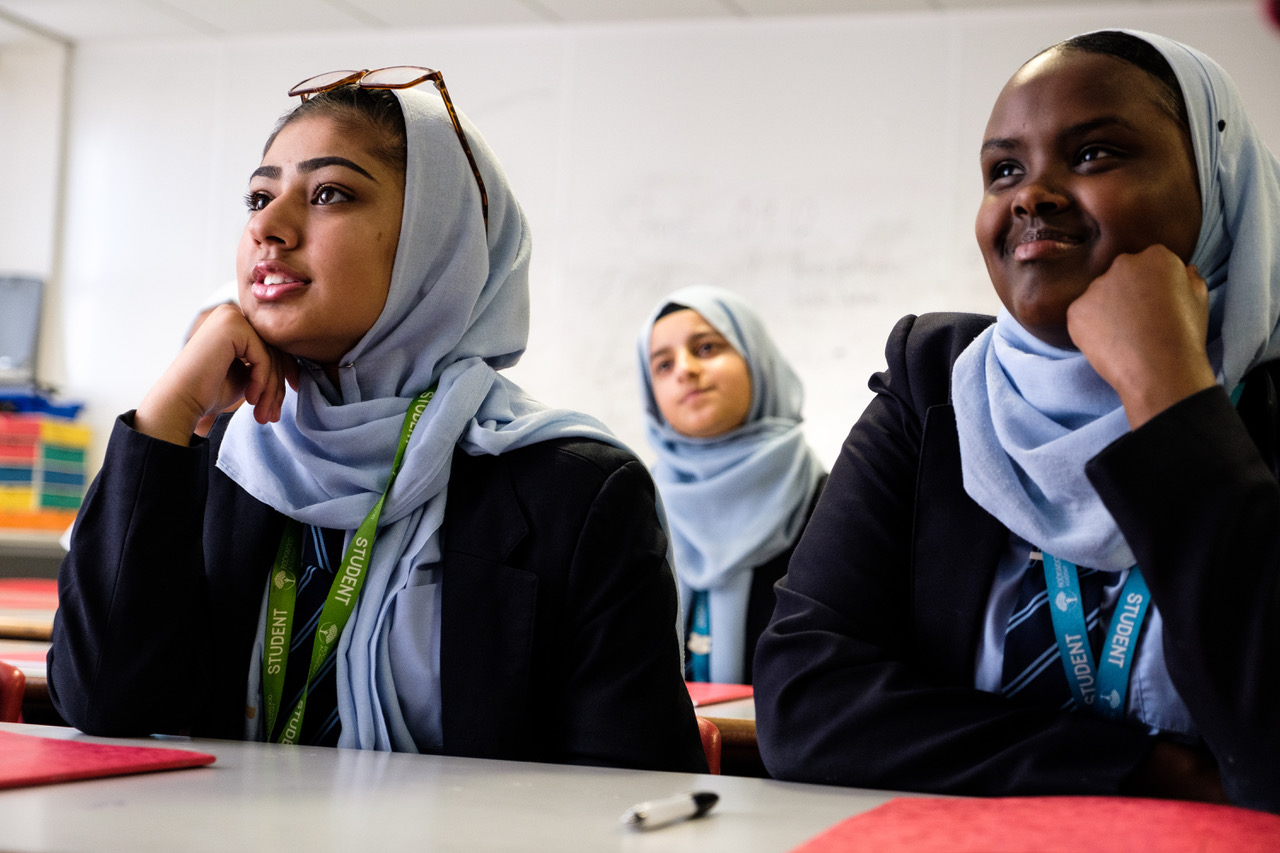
<point>32,75</point>
<point>825,167</point>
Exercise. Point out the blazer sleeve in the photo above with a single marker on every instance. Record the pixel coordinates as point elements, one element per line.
<point>1200,507</point>
<point>625,701</point>
<point>848,685</point>
<point>561,645</point>
<point>131,620</point>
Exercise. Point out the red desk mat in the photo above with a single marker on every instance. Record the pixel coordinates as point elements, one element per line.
<point>33,760</point>
<point>28,656</point>
<point>1050,824</point>
<point>708,693</point>
<point>23,652</point>
<point>29,593</point>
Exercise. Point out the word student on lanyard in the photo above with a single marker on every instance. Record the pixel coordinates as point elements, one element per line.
<point>1098,687</point>
<point>1106,680</point>
<point>338,605</point>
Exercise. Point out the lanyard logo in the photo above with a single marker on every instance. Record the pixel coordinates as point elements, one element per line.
<point>1106,679</point>
<point>339,603</point>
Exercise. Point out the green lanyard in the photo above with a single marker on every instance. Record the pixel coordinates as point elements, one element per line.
<point>338,605</point>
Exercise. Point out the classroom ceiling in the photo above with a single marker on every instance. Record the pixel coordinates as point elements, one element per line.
<point>94,20</point>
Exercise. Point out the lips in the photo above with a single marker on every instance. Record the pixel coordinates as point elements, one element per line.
<point>694,394</point>
<point>1044,243</point>
<point>273,280</point>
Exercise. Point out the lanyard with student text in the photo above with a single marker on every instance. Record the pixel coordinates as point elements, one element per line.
<point>338,605</point>
<point>1106,681</point>
<point>1099,688</point>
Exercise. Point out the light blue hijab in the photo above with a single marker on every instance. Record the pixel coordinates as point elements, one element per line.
<point>1030,415</point>
<point>737,500</point>
<point>457,312</point>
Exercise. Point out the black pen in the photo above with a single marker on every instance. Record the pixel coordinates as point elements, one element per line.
<point>657,813</point>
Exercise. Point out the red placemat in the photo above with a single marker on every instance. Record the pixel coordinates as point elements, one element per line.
<point>23,651</point>
<point>29,593</point>
<point>33,760</point>
<point>709,693</point>
<point>1048,824</point>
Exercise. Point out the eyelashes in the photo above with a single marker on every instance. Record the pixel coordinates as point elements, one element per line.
<point>323,195</point>
<point>255,200</point>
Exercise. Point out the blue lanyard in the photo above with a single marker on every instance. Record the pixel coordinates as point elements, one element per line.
<point>700,638</point>
<point>1100,687</point>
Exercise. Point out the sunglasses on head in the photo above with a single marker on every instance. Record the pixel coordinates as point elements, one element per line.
<point>397,77</point>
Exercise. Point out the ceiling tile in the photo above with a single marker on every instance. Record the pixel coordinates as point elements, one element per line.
<point>446,13</point>
<point>85,19</point>
<point>990,4</point>
<point>9,34</point>
<point>638,10</point>
<point>241,17</point>
<point>830,7</point>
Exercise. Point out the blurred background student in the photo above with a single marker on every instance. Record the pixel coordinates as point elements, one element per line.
<point>737,477</point>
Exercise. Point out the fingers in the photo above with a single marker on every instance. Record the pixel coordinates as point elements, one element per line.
<point>224,361</point>
<point>1142,325</point>
<point>1200,290</point>
<point>269,370</point>
<point>259,372</point>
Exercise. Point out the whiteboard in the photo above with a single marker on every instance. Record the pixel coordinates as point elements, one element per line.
<point>823,167</point>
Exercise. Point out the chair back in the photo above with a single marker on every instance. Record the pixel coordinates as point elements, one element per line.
<point>710,743</point>
<point>13,683</point>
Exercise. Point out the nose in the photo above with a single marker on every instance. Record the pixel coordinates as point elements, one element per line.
<point>686,364</point>
<point>1039,196</point>
<point>275,224</point>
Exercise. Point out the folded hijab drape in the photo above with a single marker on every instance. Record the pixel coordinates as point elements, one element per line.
<point>737,500</point>
<point>1031,415</point>
<point>457,312</point>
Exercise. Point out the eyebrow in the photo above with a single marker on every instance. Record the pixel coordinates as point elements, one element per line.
<point>273,173</point>
<point>1010,143</point>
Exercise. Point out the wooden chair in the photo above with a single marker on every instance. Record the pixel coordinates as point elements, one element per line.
<point>710,743</point>
<point>739,752</point>
<point>13,683</point>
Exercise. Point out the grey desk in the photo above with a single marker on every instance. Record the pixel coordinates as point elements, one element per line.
<point>738,709</point>
<point>270,797</point>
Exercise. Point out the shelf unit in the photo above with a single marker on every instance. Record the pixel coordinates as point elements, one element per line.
<point>30,553</point>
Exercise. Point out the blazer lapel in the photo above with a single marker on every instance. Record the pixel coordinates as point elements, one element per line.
<point>956,545</point>
<point>487,614</point>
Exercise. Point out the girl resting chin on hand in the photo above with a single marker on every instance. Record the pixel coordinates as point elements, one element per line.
<point>391,546</point>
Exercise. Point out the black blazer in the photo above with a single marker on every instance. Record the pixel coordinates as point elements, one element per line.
<point>558,638</point>
<point>865,675</point>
